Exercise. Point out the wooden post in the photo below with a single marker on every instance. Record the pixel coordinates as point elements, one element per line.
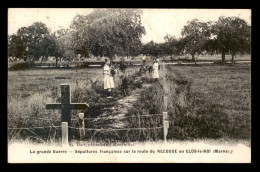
<point>165,119</point>
<point>65,111</point>
<point>165,125</point>
<point>139,121</point>
<point>164,103</point>
<point>65,135</point>
<point>81,125</point>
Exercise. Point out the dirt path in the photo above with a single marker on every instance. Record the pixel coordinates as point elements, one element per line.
<point>113,116</point>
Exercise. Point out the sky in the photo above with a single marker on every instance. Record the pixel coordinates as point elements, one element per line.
<point>157,22</point>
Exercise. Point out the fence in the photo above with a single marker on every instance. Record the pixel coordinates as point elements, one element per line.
<point>82,129</point>
<point>65,106</point>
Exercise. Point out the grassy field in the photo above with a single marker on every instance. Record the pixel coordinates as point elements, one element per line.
<point>30,90</point>
<point>137,59</point>
<point>222,94</point>
<point>205,102</point>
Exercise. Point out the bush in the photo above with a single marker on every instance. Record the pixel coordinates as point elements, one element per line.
<point>23,66</point>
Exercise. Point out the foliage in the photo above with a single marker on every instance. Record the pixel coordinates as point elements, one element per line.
<point>230,35</point>
<point>115,32</point>
<point>16,47</point>
<point>66,45</point>
<point>80,35</point>
<point>171,45</point>
<point>195,34</point>
<point>36,37</point>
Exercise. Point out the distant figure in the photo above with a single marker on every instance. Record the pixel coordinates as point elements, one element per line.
<point>122,66</point>
<point>155,69</point>
<point>158,61</point>
<point>124,87</point>
<point>108,78</point>
<point>144,59</point>
<point>113,70</point>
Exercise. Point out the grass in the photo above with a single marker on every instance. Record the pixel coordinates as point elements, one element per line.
<point>204,102</point>
<point>30,90</point>
<point>220,99</point>
<point>21,65</point>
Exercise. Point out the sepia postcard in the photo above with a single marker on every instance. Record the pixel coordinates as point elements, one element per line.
<point>129,85</point>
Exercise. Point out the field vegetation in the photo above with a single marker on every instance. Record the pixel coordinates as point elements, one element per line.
<point>204,102</point>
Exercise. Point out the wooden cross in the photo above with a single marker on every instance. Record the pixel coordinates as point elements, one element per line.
<point>66,106</point>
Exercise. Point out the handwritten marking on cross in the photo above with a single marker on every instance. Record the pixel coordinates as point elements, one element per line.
<point>66,106</point>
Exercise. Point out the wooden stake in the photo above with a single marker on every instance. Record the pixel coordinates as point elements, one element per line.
<point>165,125</point>
<point>165,103</point>
<point>81,125</point>
<point>139,121</point>
<point>65,135</point>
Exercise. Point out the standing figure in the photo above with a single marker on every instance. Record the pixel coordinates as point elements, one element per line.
<point>155,74</point>
<point>122,66</point>
<point>108,78</point>
<point>158,61</point>
<point>144,58</point>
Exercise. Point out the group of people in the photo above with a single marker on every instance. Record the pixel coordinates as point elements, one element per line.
<point>110,71</point>
<point>152,68</point>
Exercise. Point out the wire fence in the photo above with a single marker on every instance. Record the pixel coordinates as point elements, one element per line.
<point>98,118</point>
<point>116,129</point>
<point>128,73</point>
<point>24,128</point>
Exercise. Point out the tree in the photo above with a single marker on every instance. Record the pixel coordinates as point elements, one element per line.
<point>115,32</point>
<point>32,38</point>
<point>80,35</point>
<point>65,47</point>
<point>16,47</point>
<point>194,36</point>
<point>151,48</point>
<point>48,46</point>
<point>171,47</point>
<point>230,34</point>
<point>37,32</point>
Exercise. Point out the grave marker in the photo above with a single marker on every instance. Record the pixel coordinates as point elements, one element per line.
<point>66,106</point>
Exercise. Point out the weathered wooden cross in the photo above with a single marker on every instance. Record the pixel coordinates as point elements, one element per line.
<point>66,106</point>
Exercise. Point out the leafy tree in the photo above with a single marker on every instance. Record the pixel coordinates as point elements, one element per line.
<point>151,48</point>
<point>230,34</point>
<point>171,45</point>
<point>65,47</point>
<point>195,34</point>
<point>48,47</point>
<point>16,47</point>
<point>115,32</point>
<point>80,35</point>
<point>37,32</point>
<point>34,38</point>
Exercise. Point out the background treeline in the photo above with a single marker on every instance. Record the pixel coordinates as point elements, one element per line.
<point>118,32</point>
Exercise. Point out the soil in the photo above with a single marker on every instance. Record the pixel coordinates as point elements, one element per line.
<point>112,115</point>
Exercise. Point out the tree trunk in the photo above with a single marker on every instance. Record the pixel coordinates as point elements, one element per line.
<point>233,55</point>
<point>223,57</point>
<point>56,61</point>
<point>193,57</point>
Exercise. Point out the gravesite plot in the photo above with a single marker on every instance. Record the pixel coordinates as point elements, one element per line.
<point>129,85</point>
